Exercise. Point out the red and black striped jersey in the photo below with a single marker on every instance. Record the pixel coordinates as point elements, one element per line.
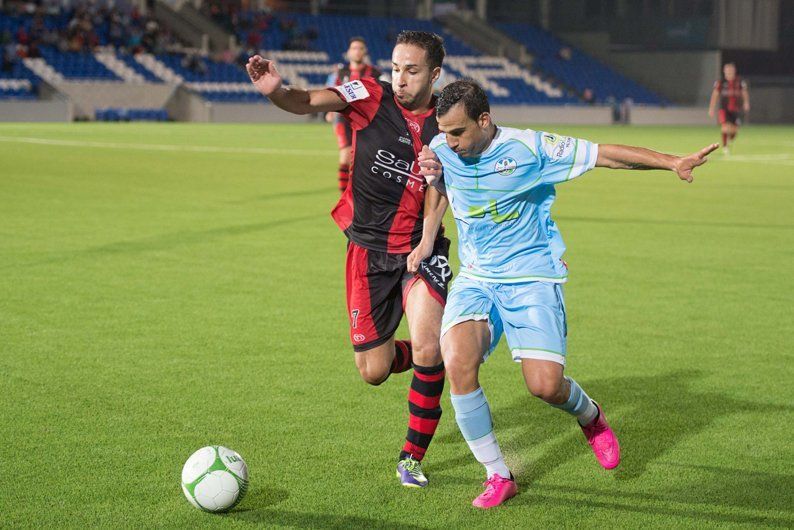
<point>382,208</point>
<point>731,98</point>
<point>344,73</point>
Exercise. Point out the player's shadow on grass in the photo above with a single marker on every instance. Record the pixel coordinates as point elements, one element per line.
<point>167,241</point>
<point>651,415</point>
<point>272,517</point>
<point>670,222</point>
<point>287,195</point>
<point>260,506</point>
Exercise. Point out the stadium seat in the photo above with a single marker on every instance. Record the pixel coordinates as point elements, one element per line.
<point>553,80</point>
<point>577,69</point>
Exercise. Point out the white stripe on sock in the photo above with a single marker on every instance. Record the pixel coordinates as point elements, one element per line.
<point>487,452</point>
<point>589,414</point>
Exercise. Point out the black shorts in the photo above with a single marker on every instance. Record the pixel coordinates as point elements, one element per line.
<point>377,283</point>
<point>727,116</point>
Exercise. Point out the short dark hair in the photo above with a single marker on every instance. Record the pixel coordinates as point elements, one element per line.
<point>357,39</point>
<point>468,91</point>
<point>429,42</point>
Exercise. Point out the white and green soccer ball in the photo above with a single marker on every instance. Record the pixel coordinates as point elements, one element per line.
<point>215,478</point>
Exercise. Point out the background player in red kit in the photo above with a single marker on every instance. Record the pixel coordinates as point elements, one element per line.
<point>355,68</point>
<point>734,98</point>
<point>381,213</point>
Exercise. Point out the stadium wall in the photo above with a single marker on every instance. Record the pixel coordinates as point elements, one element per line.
<point>90,96</point>
<point>684,77</point>
<point>185,105</point>
<point>771,103</point>
<point>506,114</point>
<point>252,113</point>
<point>51,110</point>
<point>595,115</point>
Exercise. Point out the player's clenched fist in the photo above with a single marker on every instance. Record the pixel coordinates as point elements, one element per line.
<point>429,165</point>
<point>263,74</point>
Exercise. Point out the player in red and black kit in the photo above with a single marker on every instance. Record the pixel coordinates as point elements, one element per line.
<point>356,68</point>
<point>381,213</point>
<point>734,98</point>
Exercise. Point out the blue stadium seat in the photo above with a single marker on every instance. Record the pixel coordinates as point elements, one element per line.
<point>330,34</point>
<point>580,71</point>
<point>120,114</point>
<point>77,65</point>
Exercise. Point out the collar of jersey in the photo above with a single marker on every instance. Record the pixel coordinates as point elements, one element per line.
<point>408,114</point>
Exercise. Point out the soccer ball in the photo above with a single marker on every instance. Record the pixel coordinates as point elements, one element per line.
<point>215,479</point>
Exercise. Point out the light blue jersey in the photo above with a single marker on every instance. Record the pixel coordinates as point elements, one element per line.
<point>502,201</point>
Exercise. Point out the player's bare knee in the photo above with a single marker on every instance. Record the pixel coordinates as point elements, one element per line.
<point>459,367</point>
<point>373,376</point>
<point>426,352</point>
<point>549,389</point>
<point>371,372</point>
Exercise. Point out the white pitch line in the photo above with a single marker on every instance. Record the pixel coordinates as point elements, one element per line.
<point>170,147</point>
<point>782,159</point>
<point>763,158</point>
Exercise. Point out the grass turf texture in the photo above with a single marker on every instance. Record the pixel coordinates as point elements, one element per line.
<point>156,297</point>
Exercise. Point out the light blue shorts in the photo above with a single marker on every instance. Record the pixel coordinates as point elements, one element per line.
<point>531,315</point>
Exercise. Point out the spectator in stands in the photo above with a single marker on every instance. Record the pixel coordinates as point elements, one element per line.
<point>50,37</point>
<point>150,33</point>
<point>116,31</point>
<point>625,111</point>
<point>34,51</point>
<point>588,96</point>
<point>193,62</point>
<point>134,41</point>
<point>9,56</point>
<point>123,26</point>
<point>565,53</point>
<point>22,36</point>
<point>254,41</point>
<point>615,106</point>
<point>51,7</point>
<point>242,58</point>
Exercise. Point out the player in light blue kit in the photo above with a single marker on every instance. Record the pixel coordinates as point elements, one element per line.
<point>500,183</point>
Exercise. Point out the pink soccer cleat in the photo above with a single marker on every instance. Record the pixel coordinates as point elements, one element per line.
<point>603,441</point>
<point>497,490</point>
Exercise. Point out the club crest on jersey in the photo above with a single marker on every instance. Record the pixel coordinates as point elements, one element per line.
<point>414,126</point>
<point>353,91</point>
<point>557,147</point>
<point>505,166</point>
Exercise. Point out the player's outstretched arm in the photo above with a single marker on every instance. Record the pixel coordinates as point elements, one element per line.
<point>265,77</point>
<point>435,207</point>
<point>629,157</point>
<point>715,97</point>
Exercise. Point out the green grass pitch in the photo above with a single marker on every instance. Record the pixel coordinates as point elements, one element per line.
<point>166,287</point>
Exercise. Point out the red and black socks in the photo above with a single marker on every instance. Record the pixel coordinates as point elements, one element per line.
<point>403,356</point>
<point>344,177</point>
<point>424,407</point>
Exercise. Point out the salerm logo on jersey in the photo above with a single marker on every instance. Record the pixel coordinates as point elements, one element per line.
<point>388,165</point>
